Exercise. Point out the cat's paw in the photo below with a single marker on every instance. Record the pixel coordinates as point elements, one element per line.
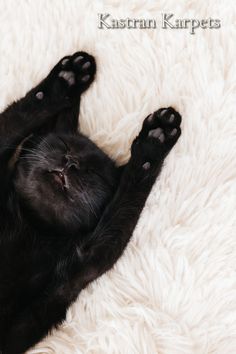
<point>69,78</point>
<point>163,126</point>
<point>77,70</point>
<point>159,133</point>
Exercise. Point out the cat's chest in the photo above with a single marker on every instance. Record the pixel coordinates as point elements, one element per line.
<point>19,259</point>
<point>31,262</point>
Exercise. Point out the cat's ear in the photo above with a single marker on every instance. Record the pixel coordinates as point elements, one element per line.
<point>16,153</point>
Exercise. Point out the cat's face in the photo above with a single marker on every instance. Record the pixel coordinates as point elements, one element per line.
<point>65,180</point>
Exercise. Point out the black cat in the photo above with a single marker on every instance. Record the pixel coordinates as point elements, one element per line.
<point>66,211</point>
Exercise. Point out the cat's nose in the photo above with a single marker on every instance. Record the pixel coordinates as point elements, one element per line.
<point>71,163</point>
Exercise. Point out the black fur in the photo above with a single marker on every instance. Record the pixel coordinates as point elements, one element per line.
<point>66,211</point>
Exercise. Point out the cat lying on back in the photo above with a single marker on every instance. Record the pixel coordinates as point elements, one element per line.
<point>66,210</point>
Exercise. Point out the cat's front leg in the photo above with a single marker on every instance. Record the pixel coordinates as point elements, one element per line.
<point>58,91</point>
<point>159,134</point>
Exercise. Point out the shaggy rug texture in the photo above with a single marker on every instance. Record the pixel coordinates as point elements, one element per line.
<point>174,289</point>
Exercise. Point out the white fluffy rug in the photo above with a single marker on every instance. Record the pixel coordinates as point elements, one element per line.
<point>174,289</point>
